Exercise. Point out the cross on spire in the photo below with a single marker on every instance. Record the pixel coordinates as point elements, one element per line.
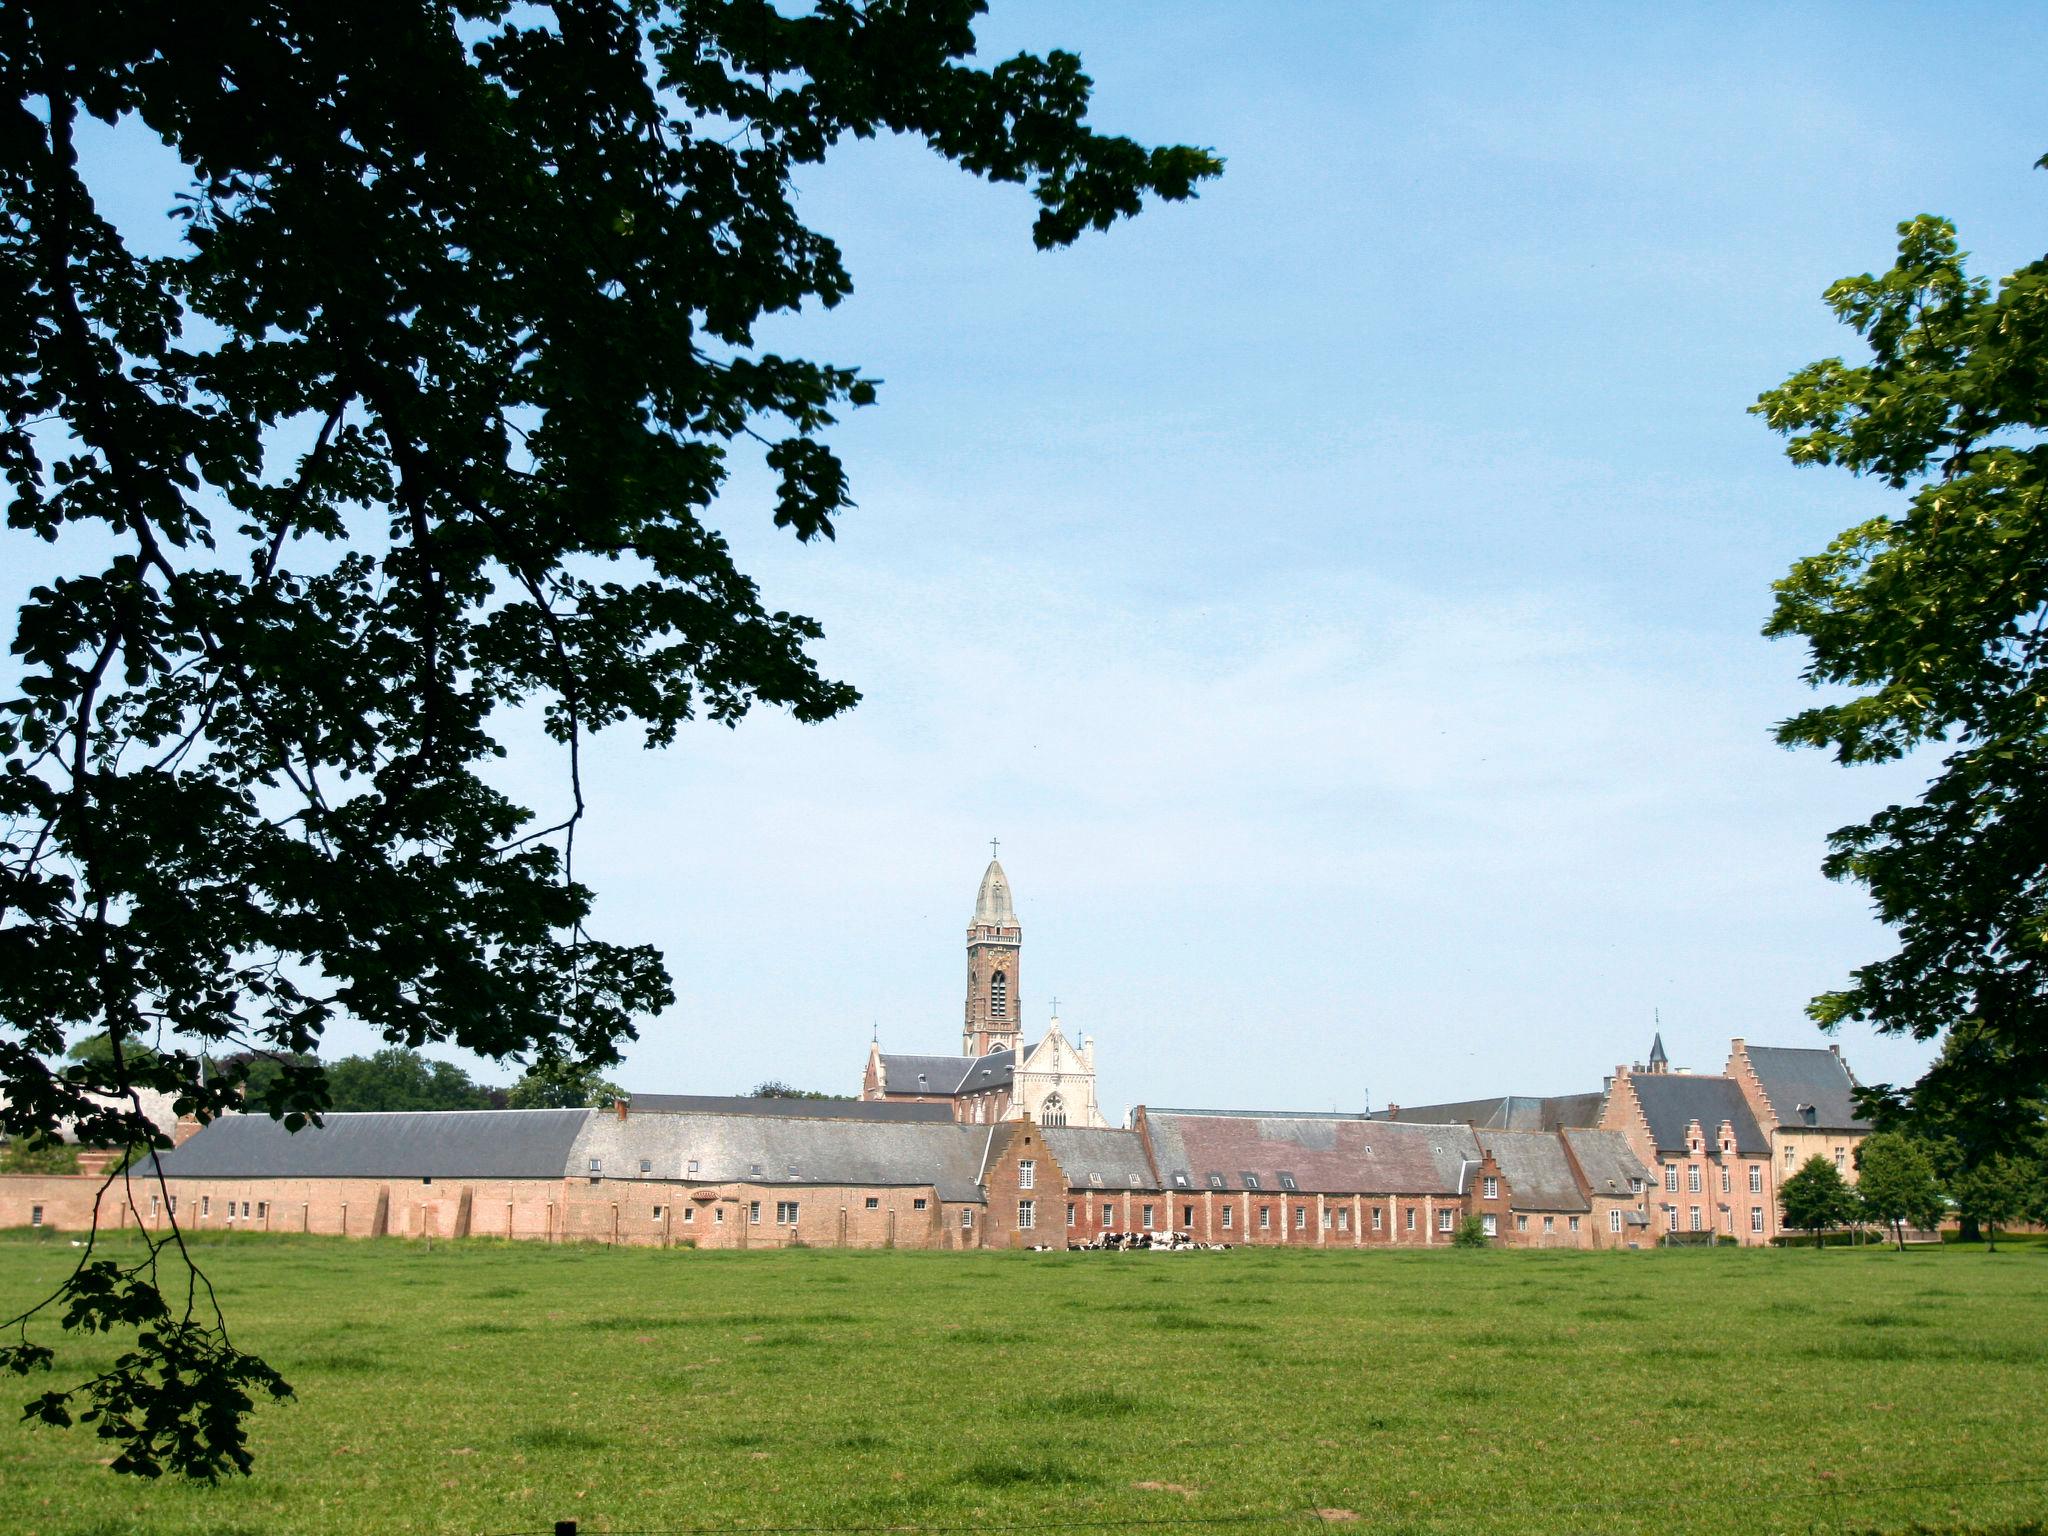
<point>993,844</point>
<point>1055,1007</point>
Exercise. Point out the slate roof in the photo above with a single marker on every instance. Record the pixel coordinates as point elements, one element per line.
<point>1100,1159</point>
<point>1510,1112</point>
<point>1607,1160</point>
<point>443,1144</point>
<point>794,1109</point>
<point>1804,1086</point>
<point>1672,1101</point>
<point>790,1150</point>
<point>948,1075</point>
<point>1538,1171</point>
<point>1323,1154</point>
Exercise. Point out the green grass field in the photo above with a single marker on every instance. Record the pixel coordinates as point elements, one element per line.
<point>483,1387</point>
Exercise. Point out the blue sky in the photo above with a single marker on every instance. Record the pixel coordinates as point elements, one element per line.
<point>1340,594</point>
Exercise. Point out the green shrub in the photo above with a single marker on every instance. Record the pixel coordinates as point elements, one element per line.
<point>1471,1233</point>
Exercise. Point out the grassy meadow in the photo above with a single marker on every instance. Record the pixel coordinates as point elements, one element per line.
<point>485,1387</point>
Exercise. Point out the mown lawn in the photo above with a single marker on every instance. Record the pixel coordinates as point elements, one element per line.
<point>482,1387</point>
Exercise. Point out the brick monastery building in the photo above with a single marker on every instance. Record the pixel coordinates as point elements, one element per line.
<point>1005,1145</point>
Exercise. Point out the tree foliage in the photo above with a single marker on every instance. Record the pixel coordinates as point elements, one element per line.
<point>775,1088</point>
<point>1817,1197</point>
<point>1993,1193</point>
<point>1896,1183</point>
<point>1927,627</point>
<point>563,1085</point>
<point>416,426</point>
<point>396,1078</point>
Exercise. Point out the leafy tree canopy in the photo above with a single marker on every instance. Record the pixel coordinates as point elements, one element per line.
<point>1895,1181</point>
<point>563,1085</point>
<point>774,1088</point>
<point>418,424</point>
<point>1817,1197</point>
<point>1929,627</point>
<point>396,1078</point>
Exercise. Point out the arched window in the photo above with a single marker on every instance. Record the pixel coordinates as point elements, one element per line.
<point>999,996</point>
<point>1053,1111</point>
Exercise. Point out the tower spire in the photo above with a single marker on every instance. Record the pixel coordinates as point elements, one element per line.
<point>995,941</point>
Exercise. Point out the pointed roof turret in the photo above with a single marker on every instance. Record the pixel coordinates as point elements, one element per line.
<point>1657,1056</point>
<point>992,902</point>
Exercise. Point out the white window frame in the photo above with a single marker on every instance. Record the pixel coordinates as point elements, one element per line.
<point>1145,1217</point>
<point>1756,1178</point>
<point>1490,1224</point>
<point>1614,1221</point>
<point>1228,1212</point>
<point>1756,1218</point>
<point>1027,1174</point>
<point>1027,1215</point>
<point>1447,1220</point>
<point>1492,1189</point>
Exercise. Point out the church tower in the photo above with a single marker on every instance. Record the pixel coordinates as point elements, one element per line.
<point>995,942</point>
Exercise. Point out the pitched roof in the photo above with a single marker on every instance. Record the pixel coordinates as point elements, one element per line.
<point>1657,1049</point>
<point>1095,1158</point>
<point>1805,1086</point>
<point>428,1144</point>
<point>789,1150</point>
<point>1538,1171</point>
<point>1510,1112</point>
<point>1607,1160</point>
<point>948,1075</point>
<point>1320,1154</point>
<point>815,1109</point>
<point>1672,1101</point>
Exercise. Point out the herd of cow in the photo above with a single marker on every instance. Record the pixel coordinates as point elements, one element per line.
<point>1163,1242</point>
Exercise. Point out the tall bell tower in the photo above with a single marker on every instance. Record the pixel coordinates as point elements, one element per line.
<point>995,945</point>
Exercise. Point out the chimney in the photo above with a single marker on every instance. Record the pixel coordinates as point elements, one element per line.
<point>1835,1048</point>
<point>623,1105</point>
<point>186,1128</point>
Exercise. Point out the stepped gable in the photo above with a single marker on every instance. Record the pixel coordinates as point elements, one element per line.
<point>1538,1170</point>
<point>948,1076</point>
<point>1321,1154</point>
<point>1607,1160</point>
<point>792,1150</point>
<point>1100,1159</point>
<point>797,1109</point>
<point>1807,1087</point>
<point>1671,1102</point>
<point>421,1144</point>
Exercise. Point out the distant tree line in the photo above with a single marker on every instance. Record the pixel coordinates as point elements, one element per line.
<point>1905,1180</point>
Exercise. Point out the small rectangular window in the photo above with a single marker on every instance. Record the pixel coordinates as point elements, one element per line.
<point>1493,1189</point>
<point>691,1166</point>
<point>718,1216</point>
<point>1187,1215</point>
<point>1300,1217</point>
<point>1027,1214</point>
<point>206,1205</point>
<point>1692,1178</point>
<point>1756,1179</point>
<point>1575,1223</point>
<point>1724,1181</point>
<point>657,1213</point>
<point>1671,1217</point>
<point>1071,1210</point>
<point>1695,1221</point>
<point>920,1204</point>
<point>1614,1221</point>
<point>1265,1218</point>
<point>873,1203</point>
<point>35,1215</point>
<point>1145,1218</point>
<point>646,1165</point>
<point>262,1210</point>
<point>967,1219</point>
<point>1027,1174</point>
<point>1671,1178</point>
<point>245,1210</point>
<point>1343,1221</point>
<point>1788,1154</point>
<point>174,1205</point>
<point>689,1214</point>
<point>1108,1217</point>
<point>1287,1181</point>
<point>1521,1223</point>
<point>1408,1218</point>
<point>1840,1154</point>
<point>1215,1181</point>
<point>1756,1218</point>
<point>1326,1218</point>
<point>753,1213</point>
<point>785,1213</point>
<point>1251,1180</point>
<point>1180,1181</point>
<point>1490,1224</point>
<point>1550,1223</point>
<point>1227,1214</point>
<point>1446,1221</point>
<point>152,1207</point>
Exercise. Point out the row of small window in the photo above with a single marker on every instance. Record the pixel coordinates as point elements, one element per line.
<point>1491,1224</point>
<point>262,1209</point>
<point>1334,1218</point>
<point>1692,1179</point>
<point>1792,1156</point>
<point>1695,1223</point>
<point>1250,1180</point>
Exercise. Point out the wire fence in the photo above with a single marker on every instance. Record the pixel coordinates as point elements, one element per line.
<point>1833,1503</point>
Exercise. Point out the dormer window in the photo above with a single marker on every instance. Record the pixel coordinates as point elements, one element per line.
<point>1287,1181</point>
<point>1180,1181</point>
<point>1251,1180</point>
<point>1215,1181</point>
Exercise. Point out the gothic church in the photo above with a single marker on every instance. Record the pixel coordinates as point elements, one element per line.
<point>996,1076</point>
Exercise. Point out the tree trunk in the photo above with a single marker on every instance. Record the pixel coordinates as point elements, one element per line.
<point>1970,1232</point>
